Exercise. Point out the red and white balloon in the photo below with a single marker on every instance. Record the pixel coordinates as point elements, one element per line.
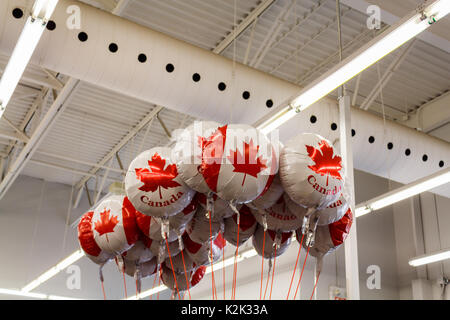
<point>114,224</point>
<point>310,171</point>
<point>154,186</point>
<point>247,226</point>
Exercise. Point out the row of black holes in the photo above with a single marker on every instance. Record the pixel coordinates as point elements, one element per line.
<point>390,145</point>
<point>142,57</point>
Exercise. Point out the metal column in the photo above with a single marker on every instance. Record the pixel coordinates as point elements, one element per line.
<point>351,246</point>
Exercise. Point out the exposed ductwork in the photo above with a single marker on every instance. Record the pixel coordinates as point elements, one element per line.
<point>216,92</point>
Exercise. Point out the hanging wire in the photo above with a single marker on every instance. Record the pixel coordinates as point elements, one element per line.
<point>262,264</point>
<point>273,271</point>
<point>301,274</point>
<point>185,275</point>
<point>213,284</point>
<point>235,260</point>
<point>171,264</point>
<point>315,285</point>
<point>295,267</point>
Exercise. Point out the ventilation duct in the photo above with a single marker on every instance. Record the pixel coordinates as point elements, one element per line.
<point>120,55</point>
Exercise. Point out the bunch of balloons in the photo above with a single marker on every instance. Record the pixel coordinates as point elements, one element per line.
<point>217,184</point>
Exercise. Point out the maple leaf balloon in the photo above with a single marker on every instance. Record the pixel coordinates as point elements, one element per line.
<point>158,177</point>
<point>311,171</point>
<point>153,185</point>
<point>247,163</point>
<point>326,163</point>
<point>114,224</point>
<point>198,154</point>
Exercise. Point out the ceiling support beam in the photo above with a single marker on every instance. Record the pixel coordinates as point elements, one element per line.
<point>386,77</point>
<point>272,34</point>
<point>359,38</point>
<point>121,143</point>
<point>47,122</point>
<point>301,47</point>
<point>243,26</point>
<point>431,115</point>
<point>19,132</point>
<point>102,183</point>
<point>12,136</point>
<point>56,109</point>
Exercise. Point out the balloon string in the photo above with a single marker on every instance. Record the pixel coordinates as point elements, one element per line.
<point>315,285</point>
<point>273,272</point>
<point>223,271</point>
<point>171,264</point>
<point>295,267</point>
<point>267,285</point>
<point>124,283</point>
<point>159,281</point>
<point>185,275</point>
<point>103,290</point>
<point>262,265</point>
<point>301,274</point>
<point>235,261</point>
<point>137,293</point>
<point>213,282</point>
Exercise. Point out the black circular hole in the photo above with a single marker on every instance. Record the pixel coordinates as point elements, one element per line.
<point>353,132</point>
<point>196,77</point>
<point>113,47</point>
<point>222,86</point>
<point>390,145</point>
<point>142,58</point>
<point>407,152</point>
<point>424,158</point>
<point>333,126</point>
<point>51,25</point>
<point>269,103</point>
<point>17,13</point>
<point>441,164</point>
<point>82,36</point>
<point>246,95</point>
<point>371,139</point>
<point>170,67</point>
<point>313,119</point>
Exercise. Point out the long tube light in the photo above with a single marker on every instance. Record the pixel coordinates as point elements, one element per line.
<point>407,191</point>
<point>430,258</point>
<point>54,271</point>
<point>19,293</point>
<point>394,37</point>
<point>25,46</point>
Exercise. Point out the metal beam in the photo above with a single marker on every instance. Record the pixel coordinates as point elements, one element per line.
<point>272,34</point>
<point>243,26</point>
<point>386,77</point>
<point>19,132</point>
<point>431,115</point>
<point>122,143</point>
<point>56,109</point>
<point>12,136</point>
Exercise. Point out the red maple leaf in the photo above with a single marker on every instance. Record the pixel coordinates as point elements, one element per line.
<point>247,163</point>
<point>106,224</point>
<point>326,163</point>
<point>211,156</point>
<point>158,176</point>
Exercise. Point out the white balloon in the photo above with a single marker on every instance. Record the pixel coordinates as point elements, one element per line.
<point>139,253</point>
<point>279,217</point>
<point>200,229</point>
<point>154,186</point>
<point>188,150</point>
<point>310,171</point>
<point>333,212</point>
<point>114,224</point>
<point>146,268</point>
<point>201,253</point>
<point>269,250</point>
<point>270,196</point>
<point>247,226</point>
<point>178,265</point>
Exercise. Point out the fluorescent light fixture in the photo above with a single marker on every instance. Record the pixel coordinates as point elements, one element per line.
<point>25,46</point>
<point>394,37</point>
<point>53,271</point>
<point>430,258</point>
<point>19,293</point>
<point>219,265</point>
<point>407,191</point>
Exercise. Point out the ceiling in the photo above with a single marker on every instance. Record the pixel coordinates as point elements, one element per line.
<point>302,38</point>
